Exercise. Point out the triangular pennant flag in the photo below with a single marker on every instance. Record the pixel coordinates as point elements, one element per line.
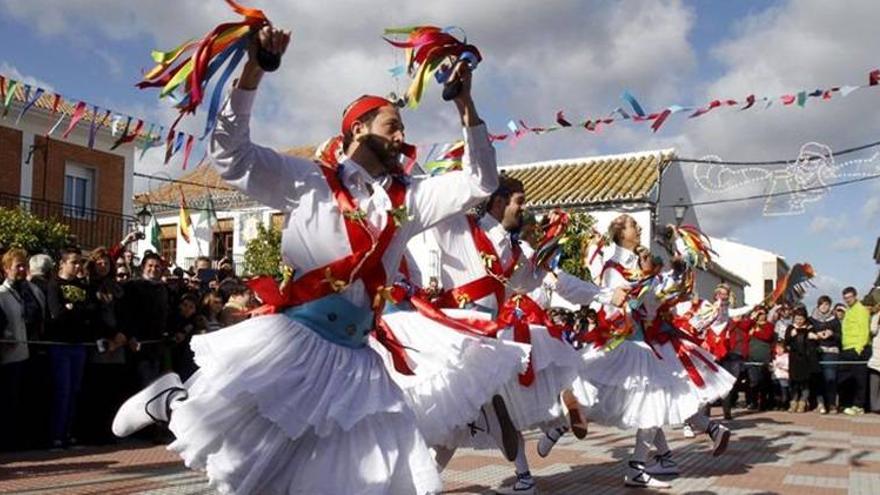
<point>77,115</point>
<point>187,150</point>
<point>93,127</point>
<point>185,222</point>
<point>37,94</point>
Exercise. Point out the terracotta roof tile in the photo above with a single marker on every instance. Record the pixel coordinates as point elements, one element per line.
<point>196,184</point>
<point>603,179</point>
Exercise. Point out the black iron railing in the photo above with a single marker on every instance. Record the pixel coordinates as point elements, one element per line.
<point>90,227</point>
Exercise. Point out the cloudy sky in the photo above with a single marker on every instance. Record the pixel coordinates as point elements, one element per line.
<point>540,57</point>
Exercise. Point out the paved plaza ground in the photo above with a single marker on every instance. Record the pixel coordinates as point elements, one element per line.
<point>772,452</point>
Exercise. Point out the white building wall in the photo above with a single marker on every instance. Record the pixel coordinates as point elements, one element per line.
<point>751,263</point>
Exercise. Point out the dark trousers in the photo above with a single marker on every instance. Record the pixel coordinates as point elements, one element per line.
<point>11,377</point>
<point>758,391</point>
<point>67,364</point>
<point>852,379</point>
<point>829,379</point>
<point>733,363</point>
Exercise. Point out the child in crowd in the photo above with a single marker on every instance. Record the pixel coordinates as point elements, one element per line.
<point>780,372</point>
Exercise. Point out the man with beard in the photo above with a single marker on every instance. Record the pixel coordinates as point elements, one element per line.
<point>295,401</point>
<point>483,266</point>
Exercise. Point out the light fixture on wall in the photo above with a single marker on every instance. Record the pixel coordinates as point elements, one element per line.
<point>680,211</point>
<point>144,216</point>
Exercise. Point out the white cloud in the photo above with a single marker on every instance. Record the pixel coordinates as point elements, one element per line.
<point>821,224</point>
<point>825,285</point>
<point>847,243</point>
<point>795,46</point>
<point>10,71</point>
<point>871,207</point>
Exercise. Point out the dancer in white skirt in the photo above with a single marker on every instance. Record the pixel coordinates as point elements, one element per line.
<point>297,403</point>
<point>459,372</point>
<point>645,373</point>
<point>483,267</point>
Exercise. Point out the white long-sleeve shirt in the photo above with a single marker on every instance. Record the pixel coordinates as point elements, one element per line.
<point>314,232</point>
<point>461,263</point>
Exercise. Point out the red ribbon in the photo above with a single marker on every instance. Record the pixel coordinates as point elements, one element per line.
<point>490,284</point>
<point>364,263</point>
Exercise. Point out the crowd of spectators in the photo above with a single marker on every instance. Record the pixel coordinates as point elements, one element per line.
<point>81,332</point>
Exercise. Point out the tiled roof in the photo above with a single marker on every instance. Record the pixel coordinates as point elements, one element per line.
<point>575,182</point>
<point>196,184</point>
<point>66,105</point>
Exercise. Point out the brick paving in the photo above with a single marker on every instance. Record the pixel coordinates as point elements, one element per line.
<point>771,452</point>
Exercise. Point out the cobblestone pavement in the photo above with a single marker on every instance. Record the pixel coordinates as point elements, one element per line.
<point>771,452</point>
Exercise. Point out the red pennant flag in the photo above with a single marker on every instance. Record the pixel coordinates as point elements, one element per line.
<point>187,149</point>
<point>560,119</point>
<point>78,114</point>
<point>660,119</point>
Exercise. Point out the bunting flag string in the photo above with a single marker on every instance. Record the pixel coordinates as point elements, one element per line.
<point>54,103</point>
<point>657,119</point>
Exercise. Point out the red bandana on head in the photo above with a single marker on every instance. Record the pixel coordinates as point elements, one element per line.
<point>331,151</point>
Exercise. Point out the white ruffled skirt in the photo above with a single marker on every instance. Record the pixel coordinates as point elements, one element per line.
<point>455,373</point>
<point>276,409</point>
<point>631,387</point>
<point>556,364</point>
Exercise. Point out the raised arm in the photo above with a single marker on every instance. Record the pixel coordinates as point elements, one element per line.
<point>436,198</point>
<point>262,173</point>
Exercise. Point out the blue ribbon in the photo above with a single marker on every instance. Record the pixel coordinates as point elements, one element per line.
<point>633,103</point>
<point>93,127</point>
<point>37,94</point>
<point>237,49</point>
<point>178,143</point>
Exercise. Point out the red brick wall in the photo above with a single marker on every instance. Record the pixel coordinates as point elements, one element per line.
<point>49,166</point>
<point>10,161</point>
<point>49,173</point>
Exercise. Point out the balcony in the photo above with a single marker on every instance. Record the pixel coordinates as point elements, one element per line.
<point>89,226</point>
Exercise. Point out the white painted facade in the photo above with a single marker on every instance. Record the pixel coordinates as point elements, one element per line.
<point>760,267</point>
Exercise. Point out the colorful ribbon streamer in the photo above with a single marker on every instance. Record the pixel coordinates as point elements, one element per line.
<point>430,52</point>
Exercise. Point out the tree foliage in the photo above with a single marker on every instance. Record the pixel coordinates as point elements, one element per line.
<point>262,254</point>
<point>20,228</point>
<point>580,235</point>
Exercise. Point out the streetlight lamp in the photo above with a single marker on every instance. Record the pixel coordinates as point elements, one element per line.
<point>680,210</point>
<point>144,216</point>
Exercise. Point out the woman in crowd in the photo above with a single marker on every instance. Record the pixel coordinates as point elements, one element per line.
<point>802,340</point>
<point>211,308</point>
<point>828,329</point>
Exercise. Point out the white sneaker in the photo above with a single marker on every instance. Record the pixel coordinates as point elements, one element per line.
<point>720,436</point>
<point>524,485</point>
<point>150,405</point>
<point>636,476</point>
<point>687,431</point>
<point>662,465</point>
<point>551,436</point>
